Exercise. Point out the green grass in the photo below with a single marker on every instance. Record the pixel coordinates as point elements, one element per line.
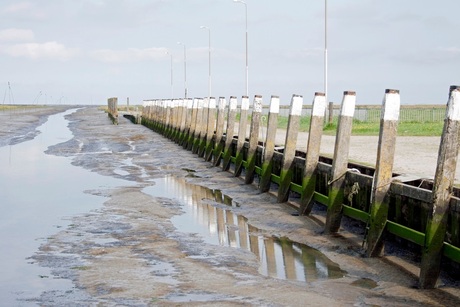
<point>372,128</point>
<point>404,128</point>
<point>8,107</point>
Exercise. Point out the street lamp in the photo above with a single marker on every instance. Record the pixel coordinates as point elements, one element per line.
<point>209,85</point>
<point>172,87</point>
<point>247,67</point>
<point>325,50</point>
<point>185,68</point>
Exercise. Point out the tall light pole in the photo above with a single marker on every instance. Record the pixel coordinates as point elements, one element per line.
<point>247,65</point>
<point>185,68</point>
<point>325,50</point>
<point>172,86</point>
<point>209,85</point>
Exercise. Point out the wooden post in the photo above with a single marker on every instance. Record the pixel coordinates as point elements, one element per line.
<point>242,127</point>
<point>178,106</point>
<point>193,125</point>
<point>177,119</point>
<point>340,163</point>
<point>442,191</point>
<point>379,202</point>
<point>148,116</point>
<point>168,122</point>
<point>145,109</point>
<point>166,115</point>
<point>182,120</point>
<point>156,116</point>
<point>204,127</point>
<point>269,146</point>
<point>229,133</point>
<point>218,147</point>
<point>152,113</point>
<point>113,109</point>
<point>171,118</point>
<point>253,140</point>
<point>199,126</point>
<point>188,104</point>
<point>331,113</point>
<point>210,130</point>
<point>313,150</point>
<point>290,147</point>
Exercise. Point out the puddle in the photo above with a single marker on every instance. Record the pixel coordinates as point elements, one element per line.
<point>278,257</point>
<point>38,191</point>
<point>366,283</point>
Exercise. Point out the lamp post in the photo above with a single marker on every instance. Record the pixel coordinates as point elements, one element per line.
<point>325,50</point>
<point>185,69</point>
<point>172,87</point>
<point>247,66</point>
<point>209,85</point>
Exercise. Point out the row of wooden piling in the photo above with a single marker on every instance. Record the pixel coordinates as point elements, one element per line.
<point>207,128</point>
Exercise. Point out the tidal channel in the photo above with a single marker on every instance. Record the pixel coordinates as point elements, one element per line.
<point>39,194</point>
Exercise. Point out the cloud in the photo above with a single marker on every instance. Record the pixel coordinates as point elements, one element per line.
<point>16,35</point>
<point>129,55</point>
<point>24,9</point>
<point>18,7</point>
<point>48,50</point>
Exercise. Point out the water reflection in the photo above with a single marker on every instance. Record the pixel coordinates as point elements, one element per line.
<point>279,257</point>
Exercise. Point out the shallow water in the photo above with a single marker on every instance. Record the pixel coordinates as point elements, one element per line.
<point>204,215</point>
<point>39,193</point>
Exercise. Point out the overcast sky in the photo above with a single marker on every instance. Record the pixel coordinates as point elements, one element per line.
<point>84,51</point>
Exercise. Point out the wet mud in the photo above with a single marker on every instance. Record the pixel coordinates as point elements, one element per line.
<point>133,252</point>
<point>19,124</point>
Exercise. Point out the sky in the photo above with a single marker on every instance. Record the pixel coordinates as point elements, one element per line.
<point>85,51</point>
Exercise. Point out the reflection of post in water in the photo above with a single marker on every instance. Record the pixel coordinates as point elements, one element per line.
<point>253,241</point>
<point>288,259</point>
<point>279,258</point>
<point>243,232</point>
<point>212,218</point>
<point>197,210</point>
<point>231,230</point>
<point>309,261</point>
<point>270,257</point>
<point>221,226</point>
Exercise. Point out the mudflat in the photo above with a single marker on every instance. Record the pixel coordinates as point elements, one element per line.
<point>129,252</point>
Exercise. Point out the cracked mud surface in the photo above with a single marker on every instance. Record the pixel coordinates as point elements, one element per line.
<point>129,253</point>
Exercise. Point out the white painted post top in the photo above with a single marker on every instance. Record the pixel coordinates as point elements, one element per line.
<point>391,105</point>
<point>189,103</point>
<point>274,104</point>
<point>195,103</point>
<point>200,103</point>
<point>257,105</point>
<point>222,103</point>
<point>348,104</point>
<point>453,105</point>
<point>212,103</point>
<point>296,105</point>
<point>245,103</point>
<point>206,103</point>
<point>319,104</point>
<point>233,103</point>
